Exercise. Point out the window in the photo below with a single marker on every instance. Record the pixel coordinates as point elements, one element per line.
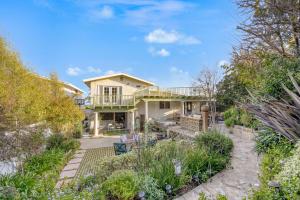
<point>106,116</point>
<point>114,94</point>
<point>138,86</point>
<point>189,106</point>
<point>164,105</point>
<point>106,94</point>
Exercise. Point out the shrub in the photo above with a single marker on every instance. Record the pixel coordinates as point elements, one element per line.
<point>78,131</point>
<point>55,141</point>
<point>49,160</point>
<point>215,142</point>
<point>122,185</point>
<point>230,122</point>
<point>150,187</point>
<point>58,141</point>
<point>158,162</point>
<point>221,197</point>
<point>108,165</point>
<point>202,196</point>
<point>196,163</point>
<point>289,176</point>
<point>163,171</point>
<point>70,145</point>
<point>271,165</point>
<point>232,117</point>
<point>267,138</point>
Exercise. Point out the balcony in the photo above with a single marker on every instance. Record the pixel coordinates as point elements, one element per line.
<point>171,93</point>
<point>105,101</point>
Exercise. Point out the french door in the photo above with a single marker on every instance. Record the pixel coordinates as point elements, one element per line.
<point>111,95</point>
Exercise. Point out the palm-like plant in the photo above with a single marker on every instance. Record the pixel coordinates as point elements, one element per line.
<point>282,116</point>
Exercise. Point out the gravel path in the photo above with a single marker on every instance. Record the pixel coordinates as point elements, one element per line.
<point>237,179</point>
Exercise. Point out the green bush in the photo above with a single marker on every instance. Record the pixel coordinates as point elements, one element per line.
<point>158,162</point>
<point>215,142</point>
<point>202,196</point>
<point>58,141</point>
<point>49,160</point>
<point>37,178</point>
<point>289,176</point>
<point>221,197</point>
<point>108,165</point>
<point>236,116</point>
<point>163,171</point>
<point>55,141</point>
<point>121,185</point>
<point>229,122</point>
<point>78,131</point>
<point>150,187</point>
<point>271,166</point>
<point>197,164</point>
<point>267,138</point>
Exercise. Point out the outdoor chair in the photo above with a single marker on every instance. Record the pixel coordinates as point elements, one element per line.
<point>151,142</point>
<point>120,148</point>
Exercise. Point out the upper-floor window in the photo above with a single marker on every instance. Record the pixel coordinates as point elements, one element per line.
<point>164,104</point>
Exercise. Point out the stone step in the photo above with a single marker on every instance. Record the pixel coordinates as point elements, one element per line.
<point>67,174</point>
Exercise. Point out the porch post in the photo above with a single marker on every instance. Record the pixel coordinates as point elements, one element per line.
<point>132,121</point>
<point>182,108</point>
<point>96,125</point>
<point>204,110</point>
<point>146,111</point>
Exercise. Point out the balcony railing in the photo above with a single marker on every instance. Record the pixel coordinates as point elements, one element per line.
<point>169,92</point>
<point>113,100</point>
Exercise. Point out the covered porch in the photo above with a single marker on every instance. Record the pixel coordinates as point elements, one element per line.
<point>112,122</point>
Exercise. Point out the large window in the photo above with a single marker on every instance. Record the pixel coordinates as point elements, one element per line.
<point>164,104</point>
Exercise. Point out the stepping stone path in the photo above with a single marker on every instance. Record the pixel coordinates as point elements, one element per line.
<point>69,171</point>
<point>235,181</point>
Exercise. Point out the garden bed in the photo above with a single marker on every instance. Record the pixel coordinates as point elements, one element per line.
<point>161,172</point>
<point>39,173</point>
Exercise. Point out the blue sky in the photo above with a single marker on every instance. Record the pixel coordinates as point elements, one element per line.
<point>167,42</point>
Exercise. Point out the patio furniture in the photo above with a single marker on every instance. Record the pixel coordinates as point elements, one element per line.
<point>123,138</point>
<point>121,148</point>
<point>151,142</point>
<point>160,136</point>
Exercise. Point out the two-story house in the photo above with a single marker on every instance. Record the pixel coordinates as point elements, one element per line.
<point>122,101</point>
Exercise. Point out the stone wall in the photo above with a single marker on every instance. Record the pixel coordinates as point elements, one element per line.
<point>191,123</point>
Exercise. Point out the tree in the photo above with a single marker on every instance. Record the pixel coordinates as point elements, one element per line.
<point>62,115</point>
<point>28,105</point>
<point>207,81</point>
<point>271,26</point>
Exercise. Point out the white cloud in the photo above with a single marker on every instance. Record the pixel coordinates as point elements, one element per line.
<point>73,71</point>
<point>161,52</point>
<point>106,12</point>
<point>178,71</point>
<point>94,70</point>
<point>110,72</point>
<point>171,37</point>
<point>222,63</point>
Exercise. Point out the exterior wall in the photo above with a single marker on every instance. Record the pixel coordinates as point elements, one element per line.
<point>129,86</point>
<point>196,108</point>
<point>155,112</point>
<point>191,123</point>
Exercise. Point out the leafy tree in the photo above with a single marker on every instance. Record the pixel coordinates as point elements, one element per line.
<point>28,104</point>
<point>62,114</point>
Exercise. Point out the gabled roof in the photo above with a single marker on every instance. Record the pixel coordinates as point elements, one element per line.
<point>87,81</point>
<point>66,84</point>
